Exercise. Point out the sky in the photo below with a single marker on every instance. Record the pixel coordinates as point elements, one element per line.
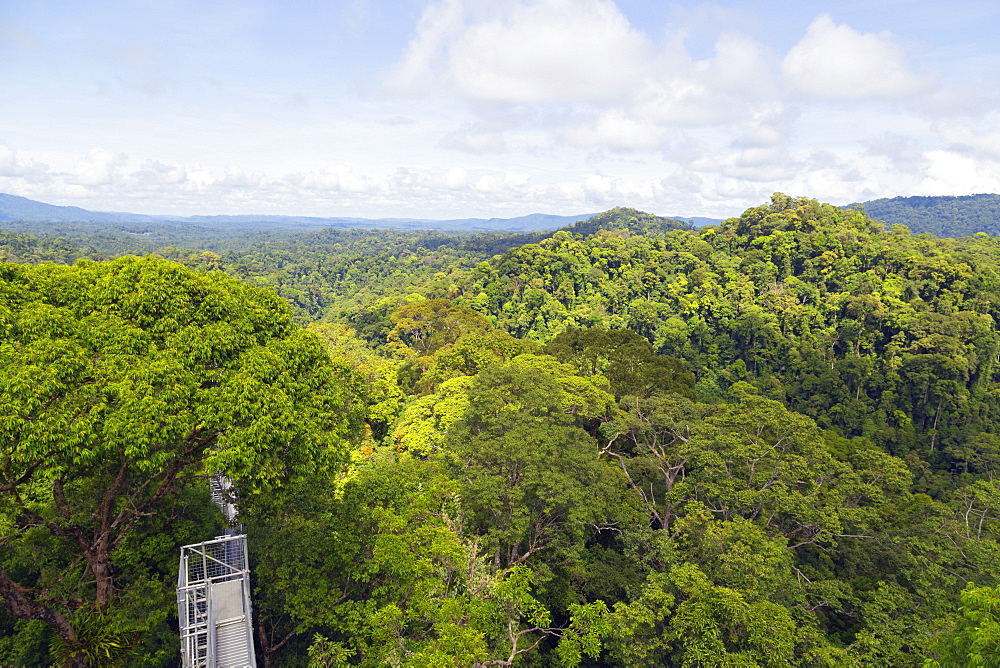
<point>494,108</point>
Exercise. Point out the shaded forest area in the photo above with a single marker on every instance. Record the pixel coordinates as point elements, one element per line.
<point>942,216</point>
<point>626,442</point>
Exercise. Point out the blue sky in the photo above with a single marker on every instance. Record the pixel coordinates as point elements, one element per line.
<point>454,108</point>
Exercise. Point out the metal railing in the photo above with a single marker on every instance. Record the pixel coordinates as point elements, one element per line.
<point>213,596</point>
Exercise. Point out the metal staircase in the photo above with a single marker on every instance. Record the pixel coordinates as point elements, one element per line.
<point>213,595</point>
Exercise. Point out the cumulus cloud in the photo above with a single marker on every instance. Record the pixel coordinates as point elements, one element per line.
<point>11,164</point>
<point>727,188</point>
<point>767,125</point>
<point>685,91</point>
<point>704,121</point>
<point>523,52</point>
<point>837,62</point>
<point>553,50</point>
<point>578,70</point>
<point>153,173</point>
<point>547,105</point>
<point>236,177</point>
<point>976,98</point>
<point>457,178</point>
<point>417,72</point>
<point>760,164</point>
<point>106,181</point>
<point>397,120</point>
<point>98,168</point>
<point>617,130</point>
<point>335,178</point>
<point>950,172</point>
<point>601,189</point>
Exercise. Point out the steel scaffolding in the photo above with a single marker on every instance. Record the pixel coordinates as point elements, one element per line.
<point>213,604</point>
<point>213,594</point>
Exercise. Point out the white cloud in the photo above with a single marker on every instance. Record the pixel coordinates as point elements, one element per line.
<point>710,91</point>
<point>615,129</point>
<point>767,125</point>
<point>514,106</point>
<point>760,164</point>
<point>680,99</point>
<point>600,189</point>
<point>13,165</point>
<point>517,180</point>
<point>523,52</point>
<point>439,24</point>
<point>98,168</point>
<point>9,164</point>
<point>837,62</point>
<point>950,172</point>
<point>742,66</point>
<point>545,105</point>
<point>421,191</point>
<point>334,178</point>
<point>397,120</point>
<point>153,173</point>
<point>550,50</point>
<point>676,187</point>
<point>457,179</point>
<point>976,99</point>
<point>578,71</point>
<point>320,181</point>
<point>236,177</point>
<point>729,189</point>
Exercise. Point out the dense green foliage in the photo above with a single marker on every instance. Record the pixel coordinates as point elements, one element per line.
<point>768,442</point>
<point>121,385</point>
<point>20,247</point>
<point>329,274</point>
<point>942,216</point>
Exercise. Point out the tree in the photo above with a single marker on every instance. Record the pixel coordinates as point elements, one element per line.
<point>975,640</point>
<point>121,384</point>
<point>379,574</point>
<point>375,376</point>
<point>625,358</point>
<point>531,478</point>
<point>650,440</point>
<point>431,324</point>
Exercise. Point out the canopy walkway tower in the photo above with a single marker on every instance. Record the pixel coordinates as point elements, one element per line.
<point>213,595</point>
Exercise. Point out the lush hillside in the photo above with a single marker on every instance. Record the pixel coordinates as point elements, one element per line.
<point>764,443</point>
<point>941,216</point>
<point>794,297</point>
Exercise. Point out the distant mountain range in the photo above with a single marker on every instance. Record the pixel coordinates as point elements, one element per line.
<point>943,216</point>
<point>958,216</point>
<point>20,209</point>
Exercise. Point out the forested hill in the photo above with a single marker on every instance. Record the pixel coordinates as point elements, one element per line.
<point>770,442</point>
<point>881,334</point>
<point>941,216</point>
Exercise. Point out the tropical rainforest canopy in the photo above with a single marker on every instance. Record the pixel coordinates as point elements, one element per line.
<point>941,215</point>
<point>628,442</point>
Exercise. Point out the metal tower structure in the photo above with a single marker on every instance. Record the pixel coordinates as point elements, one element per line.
<point>213,595</point>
